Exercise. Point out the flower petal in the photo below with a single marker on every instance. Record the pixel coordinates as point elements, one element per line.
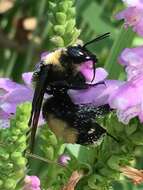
<point>9,108</point>
<point>97,95</point>
<point>4,115</point>
<point>127,95</point>
<point>4,123</point>
<point>87,70</point>
<point>139,27</point>
<point>19,95</point>
<point>8,85</point>
<point>127,100</point>
<point>100,75</point>
<point>136,3</point>
<point>133,17</point>
<point>32,182</point>
<point>43,55</point>
<point>125,116</point>
<point>27,78</point>
<point>132,59</point>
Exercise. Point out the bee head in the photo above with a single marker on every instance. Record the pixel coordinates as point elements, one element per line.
<point>78,55</point>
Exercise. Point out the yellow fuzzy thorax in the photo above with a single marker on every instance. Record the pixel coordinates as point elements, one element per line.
<point>53,57</point>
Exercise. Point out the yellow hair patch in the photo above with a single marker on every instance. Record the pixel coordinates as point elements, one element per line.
<point>62,129</point>
<point>53,58</point>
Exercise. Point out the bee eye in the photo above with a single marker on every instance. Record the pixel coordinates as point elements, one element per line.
<point>80,53</point>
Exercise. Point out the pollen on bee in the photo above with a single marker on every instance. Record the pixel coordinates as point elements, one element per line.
<point>53,57</point>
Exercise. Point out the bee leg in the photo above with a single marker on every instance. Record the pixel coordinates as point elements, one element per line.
<point>108,134</point>
<point>58,85</point>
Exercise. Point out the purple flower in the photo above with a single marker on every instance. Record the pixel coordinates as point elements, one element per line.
<point>97,95</point>
<point>133,15</point>
<point>32,183</point>
<point>132,3</point>
<point>132,59</point>
<point>12,94</point>
<point>64,159</point>
<point>128,98</point>
<point>43,55</point>
<point>87,70</point>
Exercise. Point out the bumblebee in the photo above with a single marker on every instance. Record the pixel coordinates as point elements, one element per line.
<point>55,75</point>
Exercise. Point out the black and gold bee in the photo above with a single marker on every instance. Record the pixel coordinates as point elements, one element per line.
<point>56,74</point>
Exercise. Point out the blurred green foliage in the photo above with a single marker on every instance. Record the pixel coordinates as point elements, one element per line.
<point>20,47</point>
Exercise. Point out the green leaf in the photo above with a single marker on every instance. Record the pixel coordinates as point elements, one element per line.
<point>79,152</point>
<point>123,40</point>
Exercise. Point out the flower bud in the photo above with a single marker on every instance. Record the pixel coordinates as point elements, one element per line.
<point>16,155</point>
<point>59,29</point>
<point>52,5</point>
<point>63,6</point>
<point>63,160</point>
<point>9,184</point>
<point>57,41</point>
<point>70,25</point>
<point>71,12</point>
<point>49,151</point>
<point>21,162</point>
<point>60,18</point>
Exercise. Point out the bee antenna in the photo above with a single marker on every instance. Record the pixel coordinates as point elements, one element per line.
<point>98,39</point>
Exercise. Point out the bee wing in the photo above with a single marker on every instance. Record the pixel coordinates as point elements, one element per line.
<point>40,89</point>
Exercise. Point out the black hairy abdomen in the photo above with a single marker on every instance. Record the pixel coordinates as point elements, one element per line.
<point>82,118</point>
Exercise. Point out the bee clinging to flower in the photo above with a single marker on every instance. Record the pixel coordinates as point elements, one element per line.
<point>58,72</point>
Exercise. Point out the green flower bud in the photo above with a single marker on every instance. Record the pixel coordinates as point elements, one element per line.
<point>16,132</point>
<point>49,151</point>
<point>70,25</point>
<point>71,12</point>
<point>21,162</point>
<point>21,139</point>
<point>60,18</point>
<point>70,3</point>
<point>57,41</point>
<point>61,149</point>
<point>52,140</point>
<point>60,13</point>
<point>14,138</point>
<point>20,173</point>
<point>52,5</point>
<point>9,166</point>
<point>22,147</point>
<point>16,155</point>
<point>63,6</point>
<point>3,154</point>
<point>23,126</point>
<point>76,34</point>
<point>9,184</point>
<point>12,162</point>
<point>59,29</point>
